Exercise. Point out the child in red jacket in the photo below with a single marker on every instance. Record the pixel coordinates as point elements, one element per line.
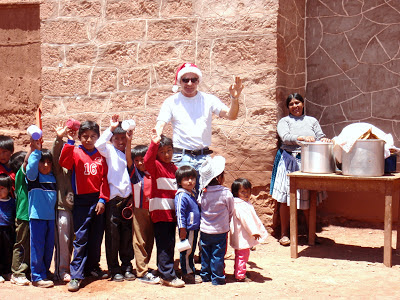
<point>162,209</point>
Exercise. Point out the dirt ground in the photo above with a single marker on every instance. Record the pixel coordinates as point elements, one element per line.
<point>347,263</point>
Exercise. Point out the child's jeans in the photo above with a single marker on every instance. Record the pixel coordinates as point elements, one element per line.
<point>164,232</point>
<point>241,259</point>
<point>187,256</point>
<point>89,230</point>
<point>42,245</point>
<point>213,250</point>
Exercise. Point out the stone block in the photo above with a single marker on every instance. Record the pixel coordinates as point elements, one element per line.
<point>364,77</point>
<point>233,54</point>
<point>82,105</point>
<point>171,29</point>
<point>103,80</point>
<point>65,81</point>
<point>156,96</point>
<point>51,56</point>
<point>385,104</point>
<point>117,54</point>
<point>127,102</point>
<point>177,8</point>
<point>122,31</point>
<point>359,107</point>
<point>80,55</point>
<point>134,79</point>
<point>339,50</point>
<point>48,10</point>
<point>53,106</point>
<point>151,52</point>
<point>387,40</point>
<point>165,72</point>
<point>314,70</point>
<point>383,14</point>
<point>64,32</point>
<point>80,8</point>
<point>331,115</point>
<point>226,9</point>
<point>127,9</point>
<point>226,27</point>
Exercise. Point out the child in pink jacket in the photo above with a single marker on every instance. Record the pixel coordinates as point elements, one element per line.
<point>246,229</point>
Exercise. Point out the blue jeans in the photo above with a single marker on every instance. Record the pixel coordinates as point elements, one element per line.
<point>180,160</point>
<point>42,245</point>
<point>213,250</point>
<point>89,229</point>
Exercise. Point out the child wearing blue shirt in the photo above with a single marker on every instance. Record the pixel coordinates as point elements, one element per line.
<point>7,234</point>
<point>188,218</point>
<point>42,195</point>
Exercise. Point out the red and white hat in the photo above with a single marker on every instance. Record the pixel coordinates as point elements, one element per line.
<point>184,69</point>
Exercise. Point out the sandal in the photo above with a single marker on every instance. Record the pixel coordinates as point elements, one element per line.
<point>284,241</point>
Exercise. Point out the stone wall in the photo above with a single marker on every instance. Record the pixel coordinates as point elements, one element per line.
<point>19,68</point>
<point>353,75</point>
<point>353,64</point>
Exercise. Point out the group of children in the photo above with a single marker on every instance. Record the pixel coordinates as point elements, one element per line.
<point>71,195</point>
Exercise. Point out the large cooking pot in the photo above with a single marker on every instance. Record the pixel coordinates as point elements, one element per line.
<point>317,157</point>
<point>365,158</point>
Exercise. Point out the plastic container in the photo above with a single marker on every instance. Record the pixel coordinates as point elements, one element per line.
<point>34,132</point>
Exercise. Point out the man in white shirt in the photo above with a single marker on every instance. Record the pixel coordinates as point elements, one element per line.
<point>190,113</point>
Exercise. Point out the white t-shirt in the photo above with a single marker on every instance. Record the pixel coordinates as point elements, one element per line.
<point>191,119</point>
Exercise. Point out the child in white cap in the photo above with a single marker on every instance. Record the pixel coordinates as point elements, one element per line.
<point>216,212</point>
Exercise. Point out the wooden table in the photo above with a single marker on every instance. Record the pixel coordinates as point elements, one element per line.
<point>387,185</point>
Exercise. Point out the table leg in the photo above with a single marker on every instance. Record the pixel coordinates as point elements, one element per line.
<point>293,219</point>
<point>387,248</point>
<point>312,220</point>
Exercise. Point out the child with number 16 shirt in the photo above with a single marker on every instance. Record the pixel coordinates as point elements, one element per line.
<point>91,191</point>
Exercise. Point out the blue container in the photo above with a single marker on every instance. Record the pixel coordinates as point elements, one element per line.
<point>390,163</point>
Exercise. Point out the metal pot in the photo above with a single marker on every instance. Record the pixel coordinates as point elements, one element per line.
<point>365,158</point>
<point>317,157</point>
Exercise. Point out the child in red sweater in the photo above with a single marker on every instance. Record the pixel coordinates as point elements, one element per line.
<point>162,209</point>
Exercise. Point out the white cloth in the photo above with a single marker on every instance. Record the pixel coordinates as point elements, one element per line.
<point>118,176</point>
<point>244,224</point>
<point>349,135</point>
<point>191,119</point>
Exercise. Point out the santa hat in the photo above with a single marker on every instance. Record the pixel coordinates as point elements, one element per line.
<point>184,69</point>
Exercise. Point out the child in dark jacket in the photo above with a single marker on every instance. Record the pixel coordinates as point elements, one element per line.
<point>188,218</point>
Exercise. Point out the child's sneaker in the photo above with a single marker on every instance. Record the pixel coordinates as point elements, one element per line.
<point>176,282</point>
<point>74,284</point>
<point>19,280</point>
<point>149,278</point>
<point>45,283</point>
<point>2,280</point>
<point>191,278</point>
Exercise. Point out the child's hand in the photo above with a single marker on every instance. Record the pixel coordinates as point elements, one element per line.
<point>36,145</point>
<point>114,122</point>
<point>182,233</point>
<point>154,136</point>
<point>256,236</point>
<point>60,130</point>
<point>129,135</point>
<point>71,134</point>
<point>100,208</point>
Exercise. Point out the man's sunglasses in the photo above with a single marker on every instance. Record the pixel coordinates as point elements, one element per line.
<point>193,80</point>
